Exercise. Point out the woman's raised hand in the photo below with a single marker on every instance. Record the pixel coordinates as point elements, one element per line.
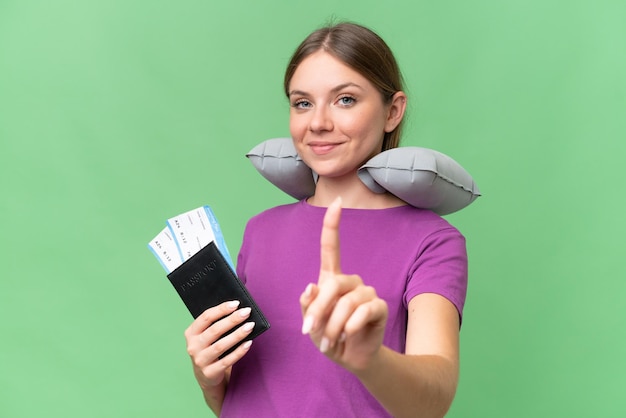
<point>206,341</point>
<point>344,317</point>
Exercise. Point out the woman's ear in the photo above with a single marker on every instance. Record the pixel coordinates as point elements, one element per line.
<point>396,111</point>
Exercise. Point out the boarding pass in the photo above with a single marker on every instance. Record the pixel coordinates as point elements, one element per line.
<point>186,234</point>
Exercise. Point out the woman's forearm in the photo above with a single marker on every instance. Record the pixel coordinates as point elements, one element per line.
<point>411,385</point>
<point>213,395</point>
<point>214,400</point>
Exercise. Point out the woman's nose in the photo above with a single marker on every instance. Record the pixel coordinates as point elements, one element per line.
<point>321,120</point>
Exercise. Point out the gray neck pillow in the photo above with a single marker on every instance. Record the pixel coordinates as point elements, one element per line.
<point>422,177</point>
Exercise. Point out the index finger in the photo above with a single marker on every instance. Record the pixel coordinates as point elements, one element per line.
<point>330,260</point>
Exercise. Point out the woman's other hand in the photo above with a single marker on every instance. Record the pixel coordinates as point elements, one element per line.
<point>206,342</point>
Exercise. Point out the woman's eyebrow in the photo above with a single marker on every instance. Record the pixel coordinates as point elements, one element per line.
<point>297,92</point>
<point>345,85</point>
<point>333,90</point>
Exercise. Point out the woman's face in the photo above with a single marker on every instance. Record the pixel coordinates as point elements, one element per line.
<point>337,118</point>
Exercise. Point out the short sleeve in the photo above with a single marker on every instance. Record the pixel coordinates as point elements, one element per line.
<point>440,268</point>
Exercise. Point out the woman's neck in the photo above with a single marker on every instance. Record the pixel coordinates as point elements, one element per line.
<point>354,194</point>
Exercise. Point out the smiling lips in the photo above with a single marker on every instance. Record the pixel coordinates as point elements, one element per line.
<point>321,148</point>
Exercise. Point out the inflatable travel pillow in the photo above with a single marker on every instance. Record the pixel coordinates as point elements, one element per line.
<point>422,177</point>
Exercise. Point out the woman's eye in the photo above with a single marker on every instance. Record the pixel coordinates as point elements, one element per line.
<point>346,100</point>
<point>301,104</point>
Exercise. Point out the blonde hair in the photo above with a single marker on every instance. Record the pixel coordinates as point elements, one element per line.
<point>362,50</point>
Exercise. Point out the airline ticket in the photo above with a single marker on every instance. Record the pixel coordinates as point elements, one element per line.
<point>186,234</point>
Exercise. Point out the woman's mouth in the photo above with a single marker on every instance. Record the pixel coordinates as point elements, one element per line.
<point>323,148</point>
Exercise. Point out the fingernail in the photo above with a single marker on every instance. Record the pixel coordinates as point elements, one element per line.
<point>247,344</point>
<point>248,326</point>
<point>308,290</point>
<point>342,337</point>
<point>244,312</point>
<point>324,344</point>
<point>307,325</point>
<point>233,304</point>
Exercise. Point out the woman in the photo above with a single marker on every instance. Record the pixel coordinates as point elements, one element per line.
<point>381,342</point>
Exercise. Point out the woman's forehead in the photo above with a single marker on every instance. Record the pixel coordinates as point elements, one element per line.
<point>322,70</point>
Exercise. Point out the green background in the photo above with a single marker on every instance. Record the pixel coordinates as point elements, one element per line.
<point>115,115</point>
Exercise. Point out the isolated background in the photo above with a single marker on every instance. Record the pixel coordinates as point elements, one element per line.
<point>115,115</point>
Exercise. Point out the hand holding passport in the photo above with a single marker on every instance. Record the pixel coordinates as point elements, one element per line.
<point>192,251</point>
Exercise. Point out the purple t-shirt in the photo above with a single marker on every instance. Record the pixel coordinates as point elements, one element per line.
<point>401,252</point>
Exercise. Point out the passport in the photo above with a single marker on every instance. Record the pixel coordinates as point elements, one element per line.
<point>192,250</point>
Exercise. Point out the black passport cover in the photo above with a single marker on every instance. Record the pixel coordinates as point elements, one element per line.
<point>206,280</point>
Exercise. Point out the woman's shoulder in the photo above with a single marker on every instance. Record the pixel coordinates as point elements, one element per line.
<point>277,213</point>
<point>416,222</point>
<point>403,213</point>
<point>279,210</point>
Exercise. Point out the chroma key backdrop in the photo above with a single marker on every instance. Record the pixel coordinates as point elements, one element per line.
<point>115,115</point>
